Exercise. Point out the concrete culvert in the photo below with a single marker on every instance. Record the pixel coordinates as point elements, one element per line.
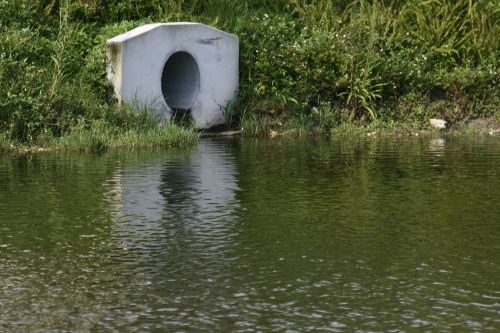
<point>171,67</point>
<point>180,81</point>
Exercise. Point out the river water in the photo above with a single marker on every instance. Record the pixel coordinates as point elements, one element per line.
<point>244,235</point>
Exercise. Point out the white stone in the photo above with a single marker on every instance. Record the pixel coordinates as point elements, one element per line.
<point>438,123</point>
<point>170,66</point>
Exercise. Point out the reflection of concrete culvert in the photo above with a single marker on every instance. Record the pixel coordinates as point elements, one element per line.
<point>176,66</point>
<point>184,201</point>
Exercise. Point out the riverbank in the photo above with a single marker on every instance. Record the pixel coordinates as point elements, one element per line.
<point>320,67</point>
<point>175,136</point>
<point>273,127</point>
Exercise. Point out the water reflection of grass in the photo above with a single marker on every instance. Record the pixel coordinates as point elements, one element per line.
<point>56,249</point>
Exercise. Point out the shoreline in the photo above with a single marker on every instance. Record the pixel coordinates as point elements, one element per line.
<point>88,142</point>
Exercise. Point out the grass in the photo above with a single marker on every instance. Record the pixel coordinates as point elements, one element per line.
<point>100,136</point>
<point>98,139</point>
<point>5,143</point>
<point>307,67</point>
<point>301,126</point>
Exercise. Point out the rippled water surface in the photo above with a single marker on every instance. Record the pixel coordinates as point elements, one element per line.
<point>246,235</point>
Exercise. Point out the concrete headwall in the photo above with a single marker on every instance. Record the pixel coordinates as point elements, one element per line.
<point>170,66</point>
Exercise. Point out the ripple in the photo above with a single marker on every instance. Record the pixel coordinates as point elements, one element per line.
<point>254,235</point>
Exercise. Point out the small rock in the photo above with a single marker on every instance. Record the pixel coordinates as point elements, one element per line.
<point>494,131</point>
<point>438,123</point>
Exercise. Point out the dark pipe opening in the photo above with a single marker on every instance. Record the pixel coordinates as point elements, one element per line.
<point>180,81</point>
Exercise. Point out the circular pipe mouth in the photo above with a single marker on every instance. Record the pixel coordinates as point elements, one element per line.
<point>180,81</point>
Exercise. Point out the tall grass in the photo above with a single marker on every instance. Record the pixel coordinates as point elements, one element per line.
<point>320,14</point>
<point>5,143</point>
<point>463,28</point>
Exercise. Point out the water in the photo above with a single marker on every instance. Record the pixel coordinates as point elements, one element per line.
<point>254,235</point>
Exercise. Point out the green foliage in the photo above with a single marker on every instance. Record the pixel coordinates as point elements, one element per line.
<point>324,15</point>
<point>267,65</point>
<point>93,71</point>
<point>326,116</point>
<point>465,29</point>
<point>303,63</point>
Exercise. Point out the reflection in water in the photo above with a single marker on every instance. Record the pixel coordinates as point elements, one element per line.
<point>254,235</point>
<point>193,192</point>
<point>437,146</point>
<point>54,242</point>
<point>176,217</point>
<point>201,188</point>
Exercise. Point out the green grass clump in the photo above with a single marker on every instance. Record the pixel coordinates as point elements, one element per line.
<point>101,139</point>
<point>4,142</point>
